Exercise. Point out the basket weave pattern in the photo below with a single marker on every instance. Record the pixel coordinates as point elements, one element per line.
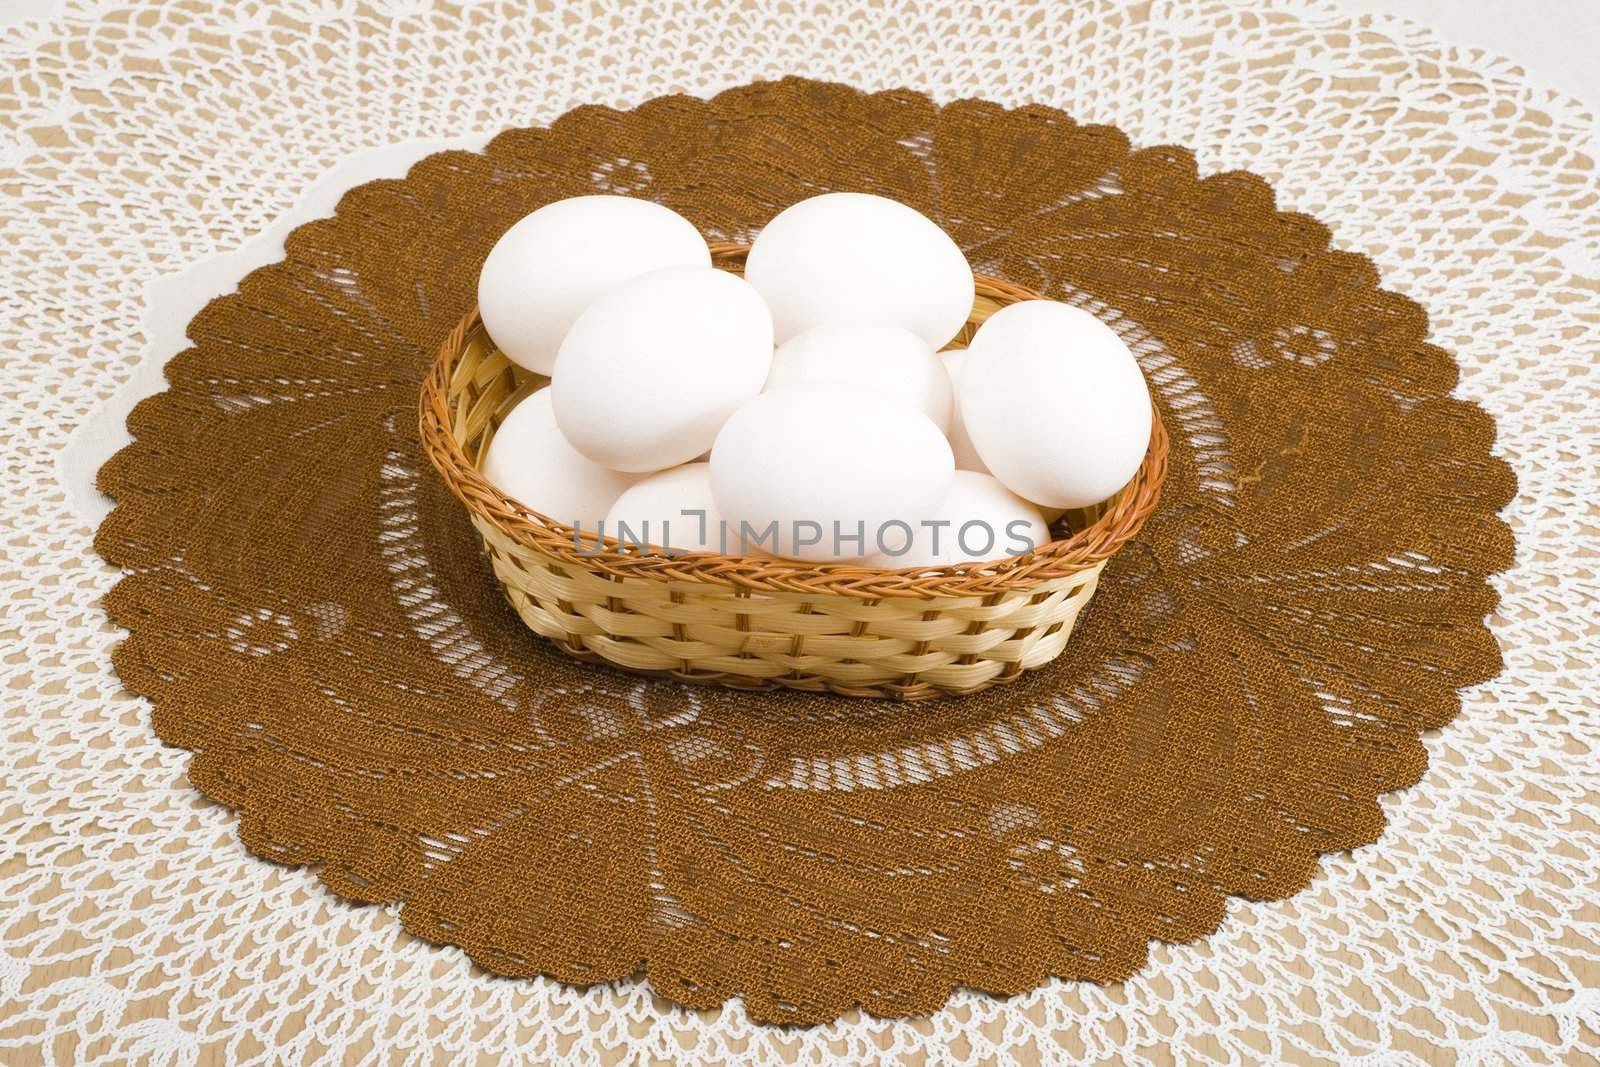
<point>757,621</point>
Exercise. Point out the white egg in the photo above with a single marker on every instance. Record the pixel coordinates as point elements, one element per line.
<point>651,369</point>
<point>967,458</point>
<point>820,468</point>
<point>671,509</point>
<point>546,269</point>
<point>979,520</point>
<point>878,355</point>
<point>852,257</point>
<point>530,461</point>
<point>1055,404</point>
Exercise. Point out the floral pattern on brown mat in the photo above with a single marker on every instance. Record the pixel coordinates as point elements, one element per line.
<point>309,612</point>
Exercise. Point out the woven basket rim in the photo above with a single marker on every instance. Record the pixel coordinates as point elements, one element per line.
<point>1058,559</point>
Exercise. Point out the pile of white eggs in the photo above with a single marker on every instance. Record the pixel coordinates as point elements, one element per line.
<point>803,410</point>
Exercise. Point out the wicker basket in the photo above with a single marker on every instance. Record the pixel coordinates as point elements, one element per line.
<point>758,621</point>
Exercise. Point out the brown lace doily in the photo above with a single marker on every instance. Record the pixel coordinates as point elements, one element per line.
<point>309,611</point>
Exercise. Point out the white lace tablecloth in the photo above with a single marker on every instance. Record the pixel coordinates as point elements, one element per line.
<point>151,152</point>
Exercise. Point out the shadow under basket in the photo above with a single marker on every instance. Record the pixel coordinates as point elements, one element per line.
<point>756,622</point>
